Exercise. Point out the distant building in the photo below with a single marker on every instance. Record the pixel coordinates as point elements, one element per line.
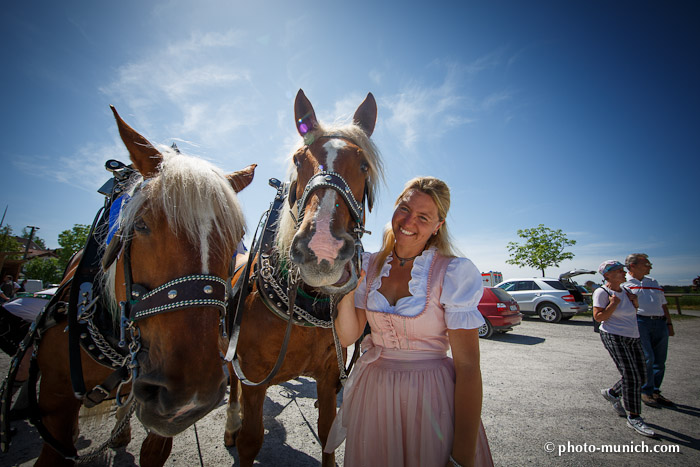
<point>11,262</point>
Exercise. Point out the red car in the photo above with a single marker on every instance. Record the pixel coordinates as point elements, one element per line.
<point>500,311</point>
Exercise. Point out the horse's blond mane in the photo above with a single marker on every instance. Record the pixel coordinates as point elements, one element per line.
<point>286,225</point>
<point>195,198</point>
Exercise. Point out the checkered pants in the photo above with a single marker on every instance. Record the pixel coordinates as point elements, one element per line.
<point>628,356</point>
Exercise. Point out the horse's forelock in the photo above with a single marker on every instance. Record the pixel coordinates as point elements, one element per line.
<point>197,200</point>
<point>286,226</point>
<point>194,197</point>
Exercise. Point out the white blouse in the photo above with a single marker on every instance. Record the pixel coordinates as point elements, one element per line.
<point>461,291</point>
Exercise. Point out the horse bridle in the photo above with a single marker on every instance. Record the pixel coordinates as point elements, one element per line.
<point>320,180</point>
<point>326,179</point>
<point>194,290</point>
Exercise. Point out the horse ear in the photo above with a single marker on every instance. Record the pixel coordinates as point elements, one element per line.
<point>366,114</point>
<point>141,152</point>
<point>304,115</point>
<point>242,178</point>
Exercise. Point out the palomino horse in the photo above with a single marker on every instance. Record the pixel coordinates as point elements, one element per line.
<point>316,237</point>
<point>177,235</point>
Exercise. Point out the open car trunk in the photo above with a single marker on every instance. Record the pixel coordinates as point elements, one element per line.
<point>565,279</point>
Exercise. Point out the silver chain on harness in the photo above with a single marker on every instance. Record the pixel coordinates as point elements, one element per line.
<point>97,452</point>
<point>267,272</point>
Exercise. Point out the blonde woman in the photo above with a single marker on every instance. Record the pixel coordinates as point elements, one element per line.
<point>407,403</point>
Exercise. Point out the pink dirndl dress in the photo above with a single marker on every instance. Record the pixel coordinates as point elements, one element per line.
<point>398,404</point>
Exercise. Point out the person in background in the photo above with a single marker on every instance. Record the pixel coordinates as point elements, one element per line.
<point>616,310</point>
<point>655,326</point>
<point>9,287</point>
<point>591,286</point>
<point>406,402</point>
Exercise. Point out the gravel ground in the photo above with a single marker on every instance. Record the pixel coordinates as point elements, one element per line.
<point>541,392</point>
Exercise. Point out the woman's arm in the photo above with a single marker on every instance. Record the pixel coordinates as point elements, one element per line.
<point>351,321</point>
<point>468,394</point>
<point>602,314</point>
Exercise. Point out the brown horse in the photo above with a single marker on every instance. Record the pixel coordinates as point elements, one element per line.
<point>182,224</point>
<point>316,235</point>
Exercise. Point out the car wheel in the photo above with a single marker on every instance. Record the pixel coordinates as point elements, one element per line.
<point>549,312</point>
<point>486,330</point>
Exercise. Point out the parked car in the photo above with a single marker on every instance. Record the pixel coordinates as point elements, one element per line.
<point>500,311</point>
<point>551,299</point>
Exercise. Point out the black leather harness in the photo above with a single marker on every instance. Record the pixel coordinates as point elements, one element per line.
<point>90,323</point>
<point>277,291</point>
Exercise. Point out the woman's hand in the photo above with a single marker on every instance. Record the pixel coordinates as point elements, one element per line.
<point>351,321</point>
<point>633,298</point>
<point>614,301</point>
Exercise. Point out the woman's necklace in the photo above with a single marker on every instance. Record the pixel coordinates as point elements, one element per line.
<point>403,261</point>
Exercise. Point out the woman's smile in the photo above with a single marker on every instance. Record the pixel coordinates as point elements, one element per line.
<point>415,220</point>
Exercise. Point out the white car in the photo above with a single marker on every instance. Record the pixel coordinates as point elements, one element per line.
<point>552,299</point>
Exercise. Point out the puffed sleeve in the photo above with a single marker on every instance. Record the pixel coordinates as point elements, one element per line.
<point>361,290</point>
<point>461,292</point>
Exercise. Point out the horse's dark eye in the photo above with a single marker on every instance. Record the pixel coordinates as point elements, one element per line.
<point>364,167</point>
<point>297,162</point>
<point>141,226</point>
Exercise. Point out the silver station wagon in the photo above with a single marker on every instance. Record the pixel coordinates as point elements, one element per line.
<point>552,299</point>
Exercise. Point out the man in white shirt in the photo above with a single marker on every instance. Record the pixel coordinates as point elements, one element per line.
<point>655,327</point>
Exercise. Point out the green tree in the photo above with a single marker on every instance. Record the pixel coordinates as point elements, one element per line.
<point>71,241</point>
<point>543,248</point>
<point>7,240</point>
<point>45,269</point>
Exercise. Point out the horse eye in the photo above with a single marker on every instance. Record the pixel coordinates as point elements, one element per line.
<point>141,226</point>
<point>364,167</point>
<point>297,162</point>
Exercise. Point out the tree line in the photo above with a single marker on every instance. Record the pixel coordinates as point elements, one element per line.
<point>48,270</point>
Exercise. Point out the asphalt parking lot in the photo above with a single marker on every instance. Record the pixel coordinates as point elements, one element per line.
<point>542,405</point>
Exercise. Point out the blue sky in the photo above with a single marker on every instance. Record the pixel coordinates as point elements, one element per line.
<point>578,115</point>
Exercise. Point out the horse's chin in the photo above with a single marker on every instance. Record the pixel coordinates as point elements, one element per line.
<point>166,427</point>
<point>346,283</point>
<point>339,281</point>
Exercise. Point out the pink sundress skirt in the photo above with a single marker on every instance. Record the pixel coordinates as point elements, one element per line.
<point>400,405</point>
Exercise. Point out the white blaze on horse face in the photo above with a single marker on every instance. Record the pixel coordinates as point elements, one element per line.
<point>323,243</point>
<point>204,243</point>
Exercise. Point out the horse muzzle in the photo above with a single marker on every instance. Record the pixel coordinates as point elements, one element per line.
<point>166,415</point>
<point>319,270</point>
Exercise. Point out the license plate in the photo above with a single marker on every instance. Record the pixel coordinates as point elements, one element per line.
<point>513,307</point>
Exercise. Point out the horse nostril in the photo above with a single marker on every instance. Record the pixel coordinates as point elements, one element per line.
<point>147,392</point>
<point>348,249</point>
<point>298,252</point>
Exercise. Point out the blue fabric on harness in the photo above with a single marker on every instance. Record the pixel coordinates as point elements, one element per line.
<point>114,213</point>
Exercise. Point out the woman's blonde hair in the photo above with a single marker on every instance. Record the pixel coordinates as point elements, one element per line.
<point>439,192</point>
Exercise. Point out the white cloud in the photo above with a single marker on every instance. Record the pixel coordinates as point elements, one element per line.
<point>376,76</point>
<point>84,169</point>
<point>199,41</point>
<point>422,112</point>
<point>211,97</point>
